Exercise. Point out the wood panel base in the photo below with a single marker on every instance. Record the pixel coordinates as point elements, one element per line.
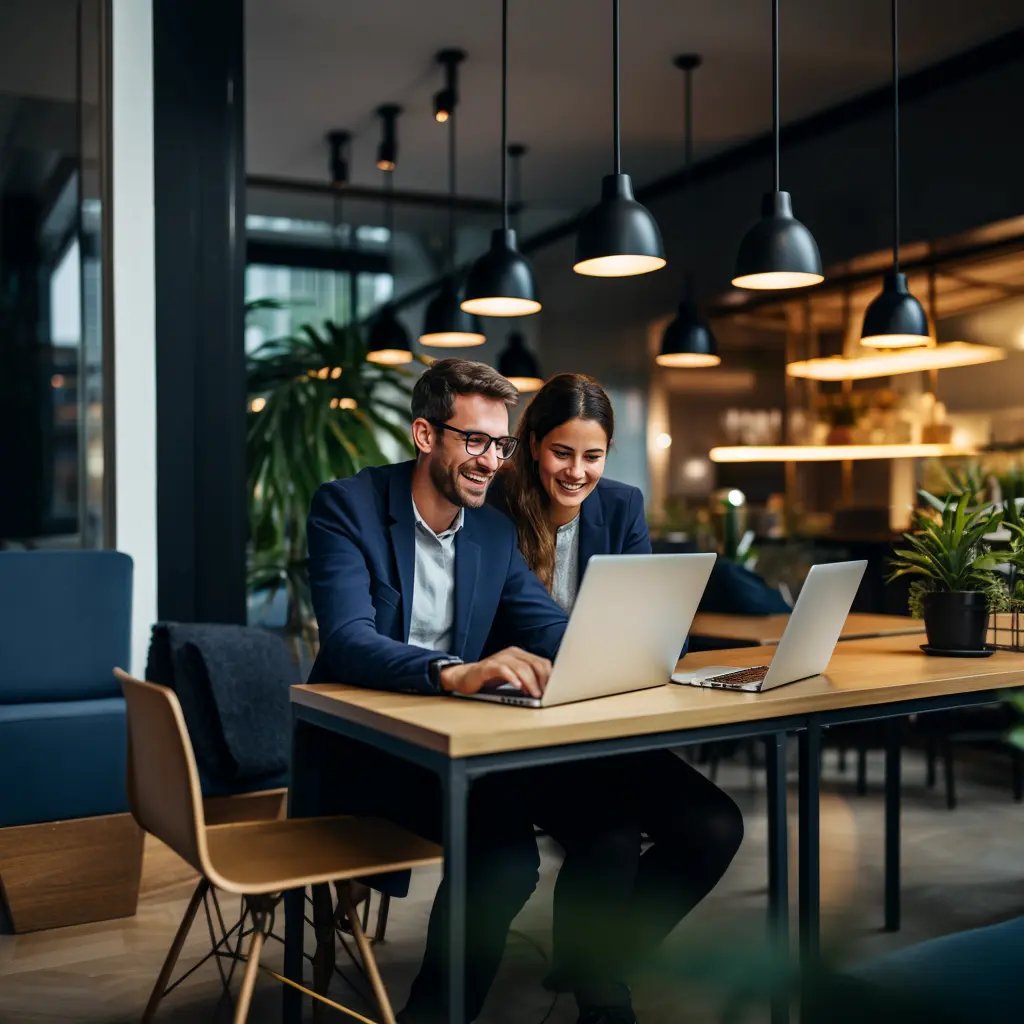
<point>69,872</point>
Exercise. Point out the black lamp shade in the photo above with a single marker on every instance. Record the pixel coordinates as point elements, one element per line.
<point>778,251</point>
<point>517,364</point>
<point>500,283</point>
<point>446,325</point>
<point>618,237</point>
<point>895,319</point>
<point>388,340</point>
<point>688,341</point>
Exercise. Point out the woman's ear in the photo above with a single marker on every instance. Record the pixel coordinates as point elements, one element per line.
<point>423,435</point>
<point>534,447</point>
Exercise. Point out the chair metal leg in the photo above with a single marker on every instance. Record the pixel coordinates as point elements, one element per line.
<point>893,794</point>
<point>931,752</point>
<point>1018,774</point>
<point>366,953</point>
<point>175,951</point>
<point>261,920</point>
<point>949,766</point>
<point>862,770</point>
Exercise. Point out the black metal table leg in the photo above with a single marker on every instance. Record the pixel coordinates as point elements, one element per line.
<point>455,785</point>
<point>778,866</point>
<point>303,795</point>
<point>810,856</point>
<point>893,783</point>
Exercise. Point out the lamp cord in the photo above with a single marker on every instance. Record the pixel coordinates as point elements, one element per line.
<point>451,191</point>
<point>688,166</point>
<point>504,114</point>
<point>616,131</point>
<point>895,138</point>
<point>775,90</point>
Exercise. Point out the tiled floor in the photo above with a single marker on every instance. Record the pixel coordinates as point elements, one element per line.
<point>961,869</point>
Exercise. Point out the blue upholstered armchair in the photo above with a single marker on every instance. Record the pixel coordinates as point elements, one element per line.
<point>69,851</point>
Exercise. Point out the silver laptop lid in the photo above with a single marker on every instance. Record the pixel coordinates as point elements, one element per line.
<point>815,623</point>
<point>628,625</point>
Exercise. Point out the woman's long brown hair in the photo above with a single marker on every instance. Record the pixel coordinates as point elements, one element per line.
<point>566,396</point>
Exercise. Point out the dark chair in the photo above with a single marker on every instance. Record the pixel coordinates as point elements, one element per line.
<point>65,621</point>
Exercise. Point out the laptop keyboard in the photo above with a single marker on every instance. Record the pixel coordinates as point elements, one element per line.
<point>740,677</point>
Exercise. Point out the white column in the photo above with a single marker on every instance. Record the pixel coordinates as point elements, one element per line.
<point>134,307</point>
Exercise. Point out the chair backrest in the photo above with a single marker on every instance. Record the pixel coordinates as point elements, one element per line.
<point>65,620</point>
<point>163,783</point>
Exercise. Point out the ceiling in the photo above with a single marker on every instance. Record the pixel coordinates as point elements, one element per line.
<point>316,65</point>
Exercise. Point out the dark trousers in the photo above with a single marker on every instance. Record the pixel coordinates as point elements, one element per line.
<point>614,900</point>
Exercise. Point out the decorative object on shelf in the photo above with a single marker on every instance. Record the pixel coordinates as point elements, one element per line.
<point>517,363</point>
<point>955,583</point>
<point>1006,628</point>
<point>895,319</point>
<point>778,252</point>
<point>446,324</point>
<point>833,453</point>
<point>500,283</point>
<point>618,237</point>
<point>688,341</point>
<point>387,339</point>
<point>318,410</point>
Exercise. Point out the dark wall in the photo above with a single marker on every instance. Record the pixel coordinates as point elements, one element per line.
<point>200,247</point>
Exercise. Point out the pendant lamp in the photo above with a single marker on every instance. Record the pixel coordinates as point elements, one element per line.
<point>517,364</point>
<point>500,283</point>
<point>895,319</point>
<point>445,324</point>
<point>688,341</point>
<point>778,252</point>
<point>387,340</point>
<point>618,237</point>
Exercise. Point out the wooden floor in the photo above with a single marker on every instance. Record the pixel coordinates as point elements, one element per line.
<point>962,868</point>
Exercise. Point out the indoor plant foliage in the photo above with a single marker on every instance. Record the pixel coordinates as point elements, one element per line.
<point>318,410</point>
<point>955,583</point>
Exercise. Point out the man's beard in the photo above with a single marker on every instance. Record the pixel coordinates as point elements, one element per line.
<point>446,480</point>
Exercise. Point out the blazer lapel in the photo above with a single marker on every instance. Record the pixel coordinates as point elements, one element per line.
<point>467,566</point>
<point>593,537</point>
<point>403,538</point>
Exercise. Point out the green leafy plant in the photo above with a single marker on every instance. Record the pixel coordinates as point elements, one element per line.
<point>318,411</point>
<point>948,551</point>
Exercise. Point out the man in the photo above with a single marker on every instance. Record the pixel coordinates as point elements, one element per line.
<point>410,574</point>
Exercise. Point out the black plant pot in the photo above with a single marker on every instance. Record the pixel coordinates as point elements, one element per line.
<point>956,620</point>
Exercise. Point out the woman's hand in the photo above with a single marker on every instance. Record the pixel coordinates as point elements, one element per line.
<point>527,672</point>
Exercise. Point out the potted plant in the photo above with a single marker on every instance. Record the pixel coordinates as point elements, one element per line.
<point>955,583</point>
<point>318,411</point>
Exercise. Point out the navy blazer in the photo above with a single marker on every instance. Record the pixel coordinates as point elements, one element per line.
<point>611,520</point>
<point>362,552</point>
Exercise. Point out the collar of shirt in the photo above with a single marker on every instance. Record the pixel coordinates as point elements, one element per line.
<point>444,534</point>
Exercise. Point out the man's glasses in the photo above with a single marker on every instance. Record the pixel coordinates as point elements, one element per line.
<point>477,442</point>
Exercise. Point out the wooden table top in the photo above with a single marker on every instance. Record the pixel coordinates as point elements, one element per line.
<point>768,629</point>
<point>861,673</point>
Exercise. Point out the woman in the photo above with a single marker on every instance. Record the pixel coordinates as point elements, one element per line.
<point>613,905</point>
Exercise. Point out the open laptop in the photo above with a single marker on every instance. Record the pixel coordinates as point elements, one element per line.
<point>625,632</point>
<point>811,634</point>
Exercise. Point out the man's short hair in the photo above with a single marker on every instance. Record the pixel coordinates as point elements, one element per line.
<point>433,397</point>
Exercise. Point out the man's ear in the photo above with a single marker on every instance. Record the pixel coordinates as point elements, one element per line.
<point>423,435</point>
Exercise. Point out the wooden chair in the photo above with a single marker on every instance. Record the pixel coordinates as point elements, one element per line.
<point>258,860</point>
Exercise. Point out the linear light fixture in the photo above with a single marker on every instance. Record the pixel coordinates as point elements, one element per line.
<point>833,452</point>
<point>944,356</point>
